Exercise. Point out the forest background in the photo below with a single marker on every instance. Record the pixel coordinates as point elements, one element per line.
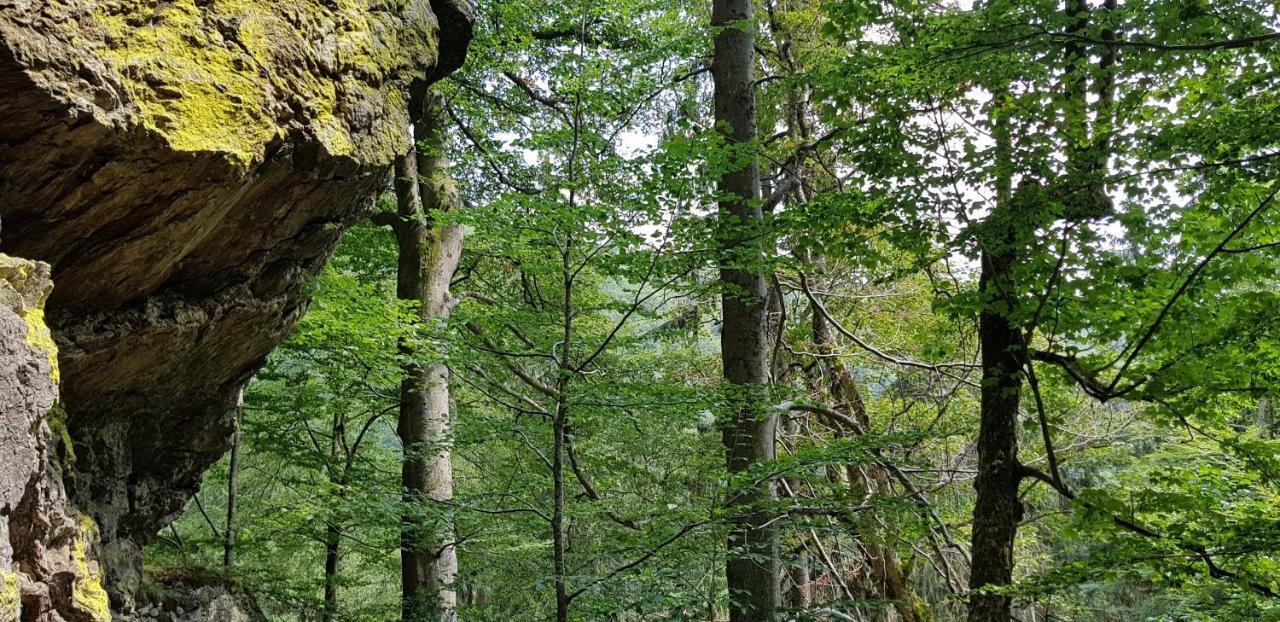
<point>1008,274</point>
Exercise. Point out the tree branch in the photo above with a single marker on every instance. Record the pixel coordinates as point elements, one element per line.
<point>520,373</point>
<point>639,560</point>
<point>1186,285</point>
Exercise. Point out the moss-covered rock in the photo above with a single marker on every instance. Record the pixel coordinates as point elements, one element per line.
<point>183,165</point>
<point>235,76</point>
<point>87,592</point>
<point>10,600</point>
<point>195,595</point>
<point>25,289</point>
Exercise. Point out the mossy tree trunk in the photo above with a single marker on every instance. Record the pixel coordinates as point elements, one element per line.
<point>888,576</point>
<point>429,254</point>
<point>997,509</point>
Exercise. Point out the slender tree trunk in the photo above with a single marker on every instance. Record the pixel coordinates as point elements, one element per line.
<point>559,427</point>
<point>560,421</point>
<point>233,469</point>
<point>429,254</point>
<point>752,568</point>
<point>558,533</point>
<point>799,594</point>
<point>997,510</point>
<point>557,515</point>
<point>332,542</point>
<point>334,528</point>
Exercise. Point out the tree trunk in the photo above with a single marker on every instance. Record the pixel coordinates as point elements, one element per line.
<point>233,468</point>
<point>800,594</point>
<point>997,510</point>
<point>428,258</point>
<point>332,542</point>
<point>557,515</point>
<point>334,526</point>
<point>752,568</point>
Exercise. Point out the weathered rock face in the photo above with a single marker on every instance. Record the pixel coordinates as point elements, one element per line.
<point>48,567</point>
<point>183,165</point>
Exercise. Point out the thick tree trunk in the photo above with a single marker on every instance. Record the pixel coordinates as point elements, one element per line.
<point>428,258</point>
<point>414,566</point>
<point>997,510</point>
<point>752,569</point>
<point>1082,192</point>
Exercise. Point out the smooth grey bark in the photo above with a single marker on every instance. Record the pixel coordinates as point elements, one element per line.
<point>428,258</point>
<point>752,569</point>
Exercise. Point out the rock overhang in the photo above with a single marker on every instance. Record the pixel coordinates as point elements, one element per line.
<point>184,166</point>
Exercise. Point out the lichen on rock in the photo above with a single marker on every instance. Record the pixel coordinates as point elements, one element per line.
<point>87,591</point>
<point>24,288</point>
<point>27,287</point>
<point>224,75</point>
<point>10,599</point>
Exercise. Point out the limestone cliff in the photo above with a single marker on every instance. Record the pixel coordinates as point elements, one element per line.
<point>183,165</point>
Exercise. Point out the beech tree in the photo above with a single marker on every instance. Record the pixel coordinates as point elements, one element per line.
<point>752,568</point>
<point>429,251</point>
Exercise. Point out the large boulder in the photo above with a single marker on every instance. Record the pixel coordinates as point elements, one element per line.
<point>183,165</point>
<point>193,595</point>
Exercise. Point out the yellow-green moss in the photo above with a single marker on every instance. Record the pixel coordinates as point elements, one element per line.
<point>88,527</point>
<point>15,272</point>
<point>39,337</point>
<point>15,275</point>
<point>58,425</point>
<point>87,590</point>
<point>193,88</point>
<point>10,599</point>
<point>213,77</point>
